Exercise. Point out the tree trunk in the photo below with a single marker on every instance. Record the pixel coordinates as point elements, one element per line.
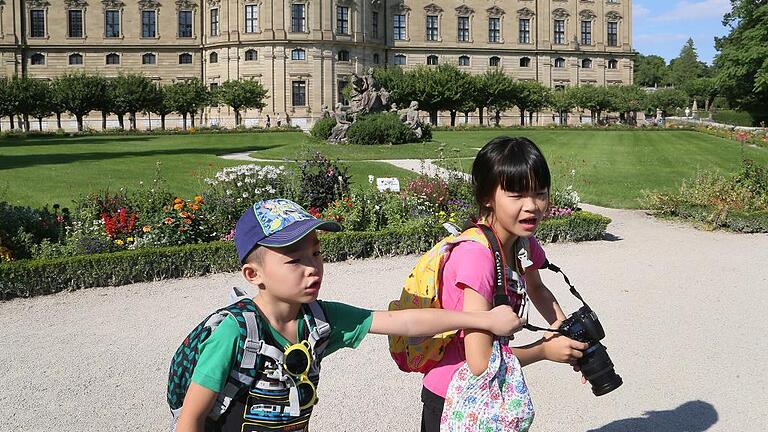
<point>11,119</point>
<point>453,118</point>
<point>184,121</point>
<point>466,117</point>
<point>522,117</point>
<point>192,119</point>
<point>79,122</point>
<point>103,120</point>
<point>530,118</point>
<point>162,121</point>
<point>26,122</point>
<point>40,124</point>
<point>58,120</point>
<point>481,115</point>
<point>120,121</point>
<point>20,121</point>
<point>237,118</point>
<point>433,118</point>
<point>498,117</point>
<point>132,119</point>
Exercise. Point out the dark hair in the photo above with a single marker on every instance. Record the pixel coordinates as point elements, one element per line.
<point>516,164</point>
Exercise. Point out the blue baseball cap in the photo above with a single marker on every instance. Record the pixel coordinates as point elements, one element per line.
<point>277,223</point>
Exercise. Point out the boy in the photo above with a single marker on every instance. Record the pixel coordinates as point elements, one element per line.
<point>280,253</point>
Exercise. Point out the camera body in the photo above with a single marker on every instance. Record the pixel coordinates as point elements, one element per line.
<point>584,326</point>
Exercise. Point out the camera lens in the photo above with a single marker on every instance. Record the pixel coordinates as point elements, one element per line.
<point>598,369</point>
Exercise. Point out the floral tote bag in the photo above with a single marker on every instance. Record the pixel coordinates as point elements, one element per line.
<point>496,400</point>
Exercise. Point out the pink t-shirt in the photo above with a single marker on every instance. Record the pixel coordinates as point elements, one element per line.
<point>470,265</point>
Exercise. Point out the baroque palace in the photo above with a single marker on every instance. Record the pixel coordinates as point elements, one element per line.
<point>304,51</point>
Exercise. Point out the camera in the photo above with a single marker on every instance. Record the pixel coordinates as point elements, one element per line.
<point>584,326</point>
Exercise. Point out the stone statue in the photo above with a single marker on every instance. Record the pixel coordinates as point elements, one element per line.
<point>367,95</point>
<point>393,108</point>
<point>324,113</point>
<point>339,132</point>
<point>412,120</point>
<point>687,112</point>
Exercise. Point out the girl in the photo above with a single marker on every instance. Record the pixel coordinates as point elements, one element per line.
<point>511,183</point>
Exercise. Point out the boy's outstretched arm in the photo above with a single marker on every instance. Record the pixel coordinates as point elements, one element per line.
<point>501,321</point>
<point>197,404</point>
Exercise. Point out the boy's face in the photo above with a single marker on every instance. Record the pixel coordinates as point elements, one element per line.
<point>291,274</point>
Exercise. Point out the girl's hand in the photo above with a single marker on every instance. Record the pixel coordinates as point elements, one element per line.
<point>561,349</point>
<point>504,321</point>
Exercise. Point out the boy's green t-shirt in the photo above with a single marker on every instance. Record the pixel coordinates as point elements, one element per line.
<point>349,325</point>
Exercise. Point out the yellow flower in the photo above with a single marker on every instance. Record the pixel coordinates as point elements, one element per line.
<point>198,199</point>
<point>178,206</point>
<point>178,200</point>
<point>129,239</point>
<point>119,242</point>
<point>146,228</point>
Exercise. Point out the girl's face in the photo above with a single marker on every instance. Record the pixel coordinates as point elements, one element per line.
<point>517,214</point>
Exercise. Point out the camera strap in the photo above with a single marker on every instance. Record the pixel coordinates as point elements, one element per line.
<point>500,296</point>
<point>551,267</point>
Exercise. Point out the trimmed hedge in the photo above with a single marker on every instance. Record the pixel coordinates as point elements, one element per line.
<point>580,226</point>
<point>38,277</point>
<point>733,117</point>
<point>323,128</point>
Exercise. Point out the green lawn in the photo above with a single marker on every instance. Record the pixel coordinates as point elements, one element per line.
<point>612,167</point>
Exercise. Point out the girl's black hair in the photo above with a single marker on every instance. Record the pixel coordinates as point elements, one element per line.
<point>516,164</point>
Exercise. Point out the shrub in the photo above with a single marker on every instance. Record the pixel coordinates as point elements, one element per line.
<point>231,191</point>
<point>738,201</point>
<point>321,181</point>
<point>22,228</point>
<point>381,128</point>
<point>322,128</point>
<point>733,117</point>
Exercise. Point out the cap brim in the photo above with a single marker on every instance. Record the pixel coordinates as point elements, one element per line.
<point>297,231</point>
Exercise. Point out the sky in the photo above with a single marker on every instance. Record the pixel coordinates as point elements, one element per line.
<point>662,27</point>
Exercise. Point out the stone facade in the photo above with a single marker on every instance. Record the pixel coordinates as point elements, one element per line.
<point>303,51</point>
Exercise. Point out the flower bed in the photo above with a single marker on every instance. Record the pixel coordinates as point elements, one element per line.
<point>119,238</point>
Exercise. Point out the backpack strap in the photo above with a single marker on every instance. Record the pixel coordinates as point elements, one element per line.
<point>320,330</point>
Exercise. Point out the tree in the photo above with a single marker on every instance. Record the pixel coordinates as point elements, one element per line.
<point>742,61</point>
<point>187,98</point>
<point>456,86</point>
<point>40,93</point>
<point>394,80</point>
<point>103,100</point>
<point>56,101</point>
<point>129,94</point>
<point>703,90</point>
<point>32,98</point>
<point>627,101</point>
<point>667,100</point>
<point>686,66</point>
<point>428,87</point>
<point>159,104</point>
<point>530,96</point>
<point>79,94</point>
<point>651,71</point>
<point>8,100</point>
<point>594,98</point>
<point>562,102</point>
<point>494,90</point>
<point>240,95</point>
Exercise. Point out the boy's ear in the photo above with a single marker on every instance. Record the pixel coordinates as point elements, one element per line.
<point>252,273</point>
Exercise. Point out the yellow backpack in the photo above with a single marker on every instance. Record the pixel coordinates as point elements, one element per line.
<point>420,354</point>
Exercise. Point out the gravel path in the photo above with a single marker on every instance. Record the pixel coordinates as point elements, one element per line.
<point>683,309</point>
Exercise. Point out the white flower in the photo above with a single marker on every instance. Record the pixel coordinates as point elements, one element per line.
<point>370,179</point>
